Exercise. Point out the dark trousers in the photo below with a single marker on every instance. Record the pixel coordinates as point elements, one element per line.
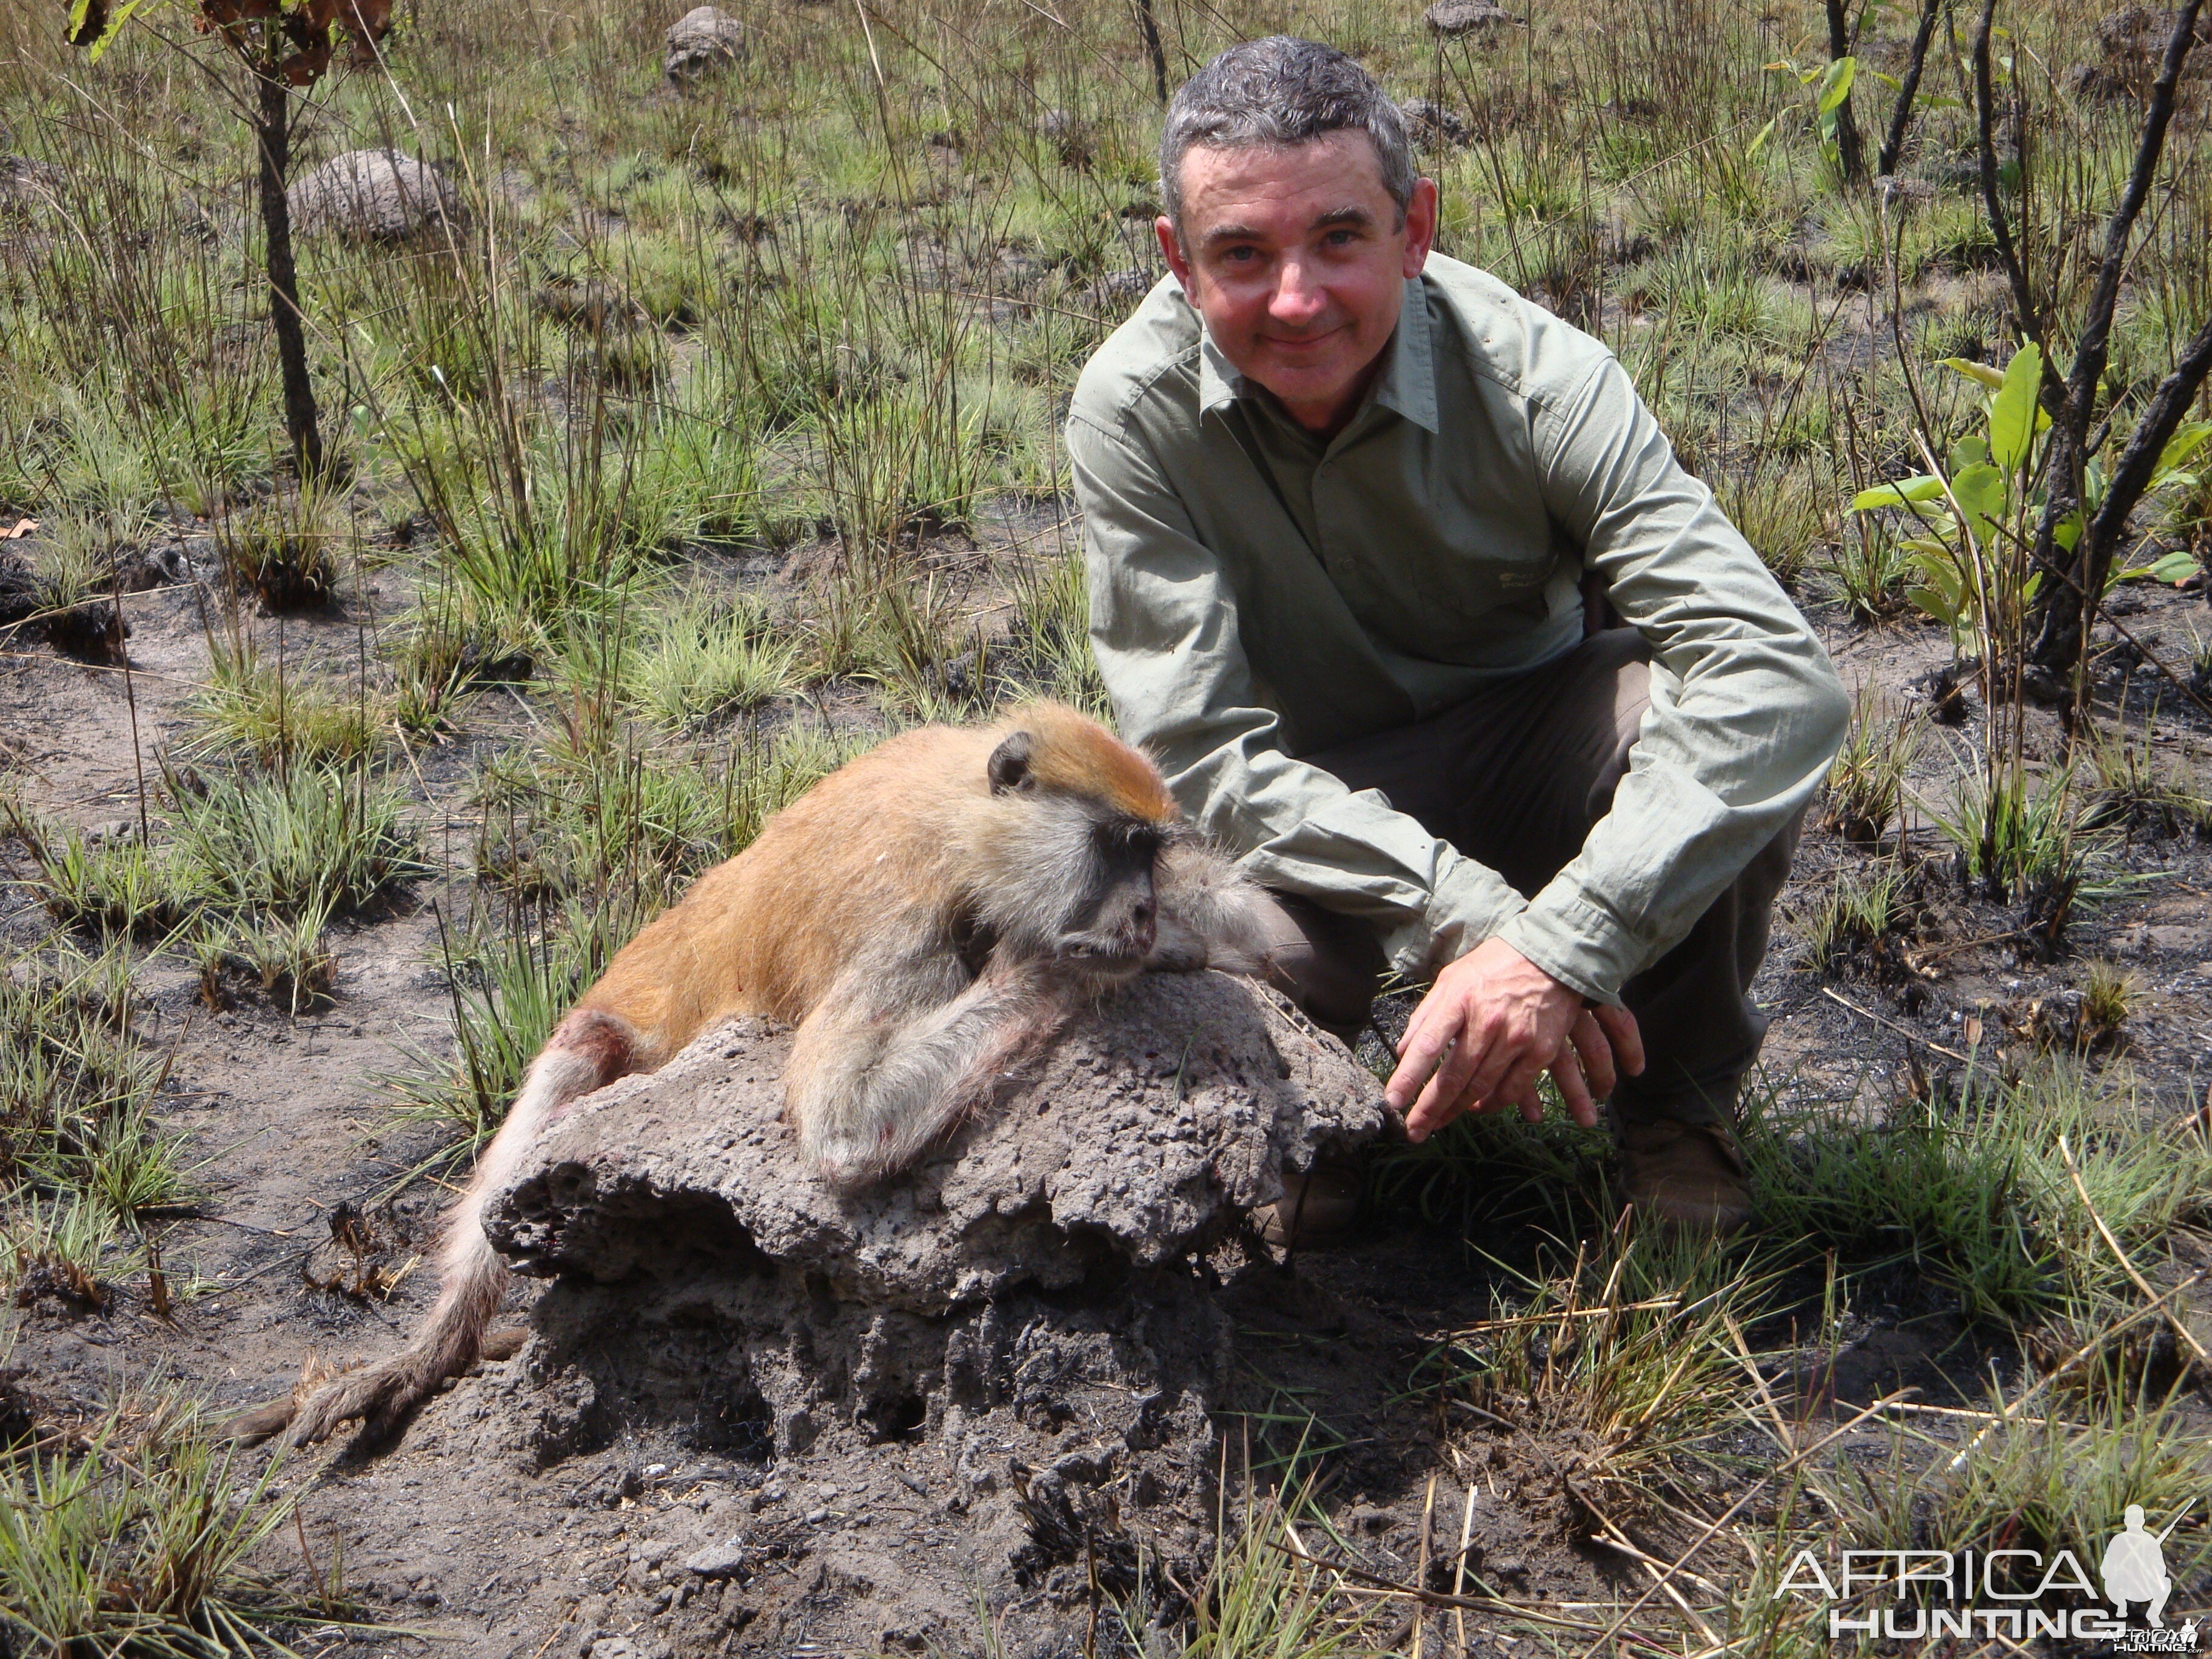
<point>1514,777</point>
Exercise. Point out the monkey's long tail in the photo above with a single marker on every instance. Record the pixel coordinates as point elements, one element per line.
<point>588,1050</point>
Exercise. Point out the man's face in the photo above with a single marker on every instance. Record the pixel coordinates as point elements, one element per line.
<point>1297,259</point>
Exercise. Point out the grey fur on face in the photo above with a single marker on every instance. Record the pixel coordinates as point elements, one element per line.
<point>1282,90</point>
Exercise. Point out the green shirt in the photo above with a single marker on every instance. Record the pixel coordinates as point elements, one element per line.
<point>1257,595</point>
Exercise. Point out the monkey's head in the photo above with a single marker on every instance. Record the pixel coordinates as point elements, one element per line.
<point>1077,820</point>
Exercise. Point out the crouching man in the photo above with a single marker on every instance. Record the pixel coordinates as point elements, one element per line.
<point>1351,510</point>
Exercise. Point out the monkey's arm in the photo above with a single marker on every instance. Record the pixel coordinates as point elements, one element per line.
<point>1210,916</point>
<point>884,1064</point>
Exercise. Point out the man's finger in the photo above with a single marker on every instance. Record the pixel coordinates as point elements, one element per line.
<point>1518,1087</point>
<point>1574,1089</point>
<point>1419,1050</point>
<point>1504,1057</point>
<point>1594,1054</point>
<point>1627,1041</point>
<point>1441,1095</point>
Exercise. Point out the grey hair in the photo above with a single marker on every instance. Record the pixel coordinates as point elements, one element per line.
<point>1282,90</point>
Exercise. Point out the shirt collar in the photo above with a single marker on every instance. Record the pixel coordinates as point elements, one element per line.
<point>1407,385</point>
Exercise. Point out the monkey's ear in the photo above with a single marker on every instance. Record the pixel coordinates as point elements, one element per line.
<point>1009,766</point>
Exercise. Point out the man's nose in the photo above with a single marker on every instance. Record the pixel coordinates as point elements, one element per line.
<point>1298,298</point>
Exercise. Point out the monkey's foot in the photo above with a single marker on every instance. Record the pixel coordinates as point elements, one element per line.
<point>382,1396</point>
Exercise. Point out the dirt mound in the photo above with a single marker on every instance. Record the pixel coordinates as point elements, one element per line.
<point>377,195</point>
<point>1031,1302</point>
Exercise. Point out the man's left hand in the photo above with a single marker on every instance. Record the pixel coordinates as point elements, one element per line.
<point>1491,1025</point>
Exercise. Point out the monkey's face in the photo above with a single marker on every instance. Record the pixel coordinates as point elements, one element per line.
<point>1075,873</point>
<point>1110,927</point>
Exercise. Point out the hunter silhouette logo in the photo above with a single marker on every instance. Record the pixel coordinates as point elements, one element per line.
<point>2135,1567</point>
<point>2008,1593</point>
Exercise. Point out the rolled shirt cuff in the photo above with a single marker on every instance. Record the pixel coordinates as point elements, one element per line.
<point>1583,947</point>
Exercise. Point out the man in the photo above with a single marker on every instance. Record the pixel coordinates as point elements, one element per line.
<point>1341,498</point>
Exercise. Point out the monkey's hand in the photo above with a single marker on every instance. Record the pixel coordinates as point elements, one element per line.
<point>872,1083</point>
<point>1210,916</point>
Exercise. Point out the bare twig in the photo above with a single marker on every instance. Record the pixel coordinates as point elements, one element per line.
<point>1900,117</point>
<point>2066,613</point>
<point>1902,1031</point>
<point>1851,150</point>
<point>2024,312</point>
<point>2127,1267</point>
<point>1788,1466</point>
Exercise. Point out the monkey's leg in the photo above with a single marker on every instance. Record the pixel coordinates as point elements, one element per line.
<point>588,1050</point>
<point>870,1090</point>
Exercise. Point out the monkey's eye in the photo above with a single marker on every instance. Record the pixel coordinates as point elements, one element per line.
<point>1130,838</point>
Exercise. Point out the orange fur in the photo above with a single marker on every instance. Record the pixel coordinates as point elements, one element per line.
<point>925,916</point>
<point>766,932</point>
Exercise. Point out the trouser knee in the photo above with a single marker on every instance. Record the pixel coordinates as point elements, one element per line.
<point>1330,964</point>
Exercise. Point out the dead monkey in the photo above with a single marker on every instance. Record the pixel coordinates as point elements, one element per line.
<point>925,916</point>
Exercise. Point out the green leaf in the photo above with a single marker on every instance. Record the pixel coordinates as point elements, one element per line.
<point>1972,450</point>
<point>1836,84</point>
<point>1991,377</point>
<point>2176,567</point>
<point>2184,444</point>
<point>1889,81</point>
<point>88,23</point>
<point>2012,413</point>
<point>1925,488</point>
<point>93,25</point>
<point>2067,532</point>
<point>1758,143</point>
<point>1980,494</point>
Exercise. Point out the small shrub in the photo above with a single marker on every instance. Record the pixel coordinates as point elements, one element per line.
<point>1855,926</point>
<point>2018,831</point>
<point>707,658</point>
<point>508,990</point>
<point>1866,781</point>
<point>1868,570</point>
<point>2107,996</point>
<point>285,549</point>
<point>75,1087</point>
<point>1049,642</point>
<point>284,954</point>
<point>1627,1357</point>
<point>1973,1192</point>
<point>279,713</point>
<point>2138,789</point>
<point>60,1248</point>
<point>138,1543</point>
<point>286,843</point>
<point>123,888</point>
<point>1784,512</point>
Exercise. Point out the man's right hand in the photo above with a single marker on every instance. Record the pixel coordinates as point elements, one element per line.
<point>1490,1027</point>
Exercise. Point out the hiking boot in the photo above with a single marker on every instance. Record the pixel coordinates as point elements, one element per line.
<point>1317,1207</point>
<point>1684,1177</point>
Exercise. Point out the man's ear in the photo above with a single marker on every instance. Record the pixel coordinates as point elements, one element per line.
<point>1420,227</point>
<point>1171,250</point>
